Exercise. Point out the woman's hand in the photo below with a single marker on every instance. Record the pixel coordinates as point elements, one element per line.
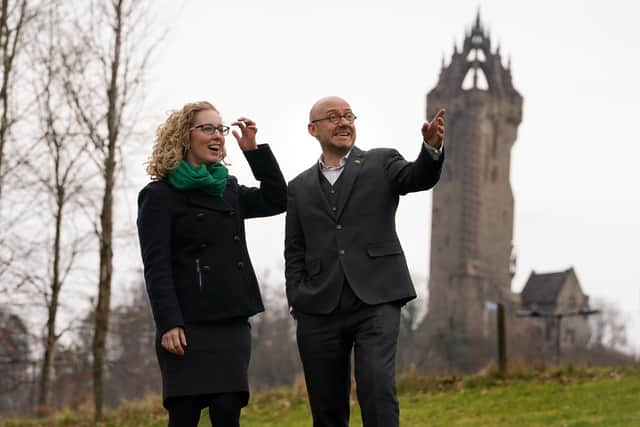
<point>247,136</point>
<point>174,340</point>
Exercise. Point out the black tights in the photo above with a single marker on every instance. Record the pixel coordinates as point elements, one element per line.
<point>224,409</point>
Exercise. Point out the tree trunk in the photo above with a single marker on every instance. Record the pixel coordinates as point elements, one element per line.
<point>104,303</point>
<point>106,221</point>
<point>55,286</point>
<point>104,286</point>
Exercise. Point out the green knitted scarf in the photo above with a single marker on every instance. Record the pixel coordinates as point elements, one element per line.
<point>211,179</point>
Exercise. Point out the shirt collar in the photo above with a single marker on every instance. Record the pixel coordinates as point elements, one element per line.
<point>343,161</point>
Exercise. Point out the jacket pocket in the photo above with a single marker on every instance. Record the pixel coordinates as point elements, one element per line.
<point>313,267</point>
<point>384,249</point>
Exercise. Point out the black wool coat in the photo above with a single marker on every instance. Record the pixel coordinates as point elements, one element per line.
<point>196,264</point>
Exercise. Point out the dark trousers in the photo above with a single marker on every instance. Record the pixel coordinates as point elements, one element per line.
<point>224,409</point>
<point>325,343</point>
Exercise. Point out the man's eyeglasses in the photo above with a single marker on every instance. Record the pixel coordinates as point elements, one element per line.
<point>209,129</point>
<point>335,118</point>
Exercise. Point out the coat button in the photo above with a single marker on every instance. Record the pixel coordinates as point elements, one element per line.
<point>339,227</point>
<point>240,265</point>
<point>203,245</point>
<point>236,238</point>
<point>341,251</point>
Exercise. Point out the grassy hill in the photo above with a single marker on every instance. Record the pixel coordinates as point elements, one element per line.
<point>565,397</point>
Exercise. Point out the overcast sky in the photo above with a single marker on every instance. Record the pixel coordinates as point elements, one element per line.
<point>575,171</point>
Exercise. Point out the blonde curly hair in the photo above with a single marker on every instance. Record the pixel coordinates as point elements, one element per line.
<point>173,139</point>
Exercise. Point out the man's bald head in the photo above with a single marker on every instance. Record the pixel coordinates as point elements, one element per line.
<point>318,109</point>
<point>331,122</point>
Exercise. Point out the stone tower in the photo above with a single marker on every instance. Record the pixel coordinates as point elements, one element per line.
<point>472,220</point>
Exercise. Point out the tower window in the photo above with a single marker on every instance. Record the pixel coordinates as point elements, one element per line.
<point>475,79</point>
<point>476,55</point>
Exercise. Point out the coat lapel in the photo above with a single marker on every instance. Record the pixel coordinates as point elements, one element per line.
<point>316,189</point>
<point>349,176</point>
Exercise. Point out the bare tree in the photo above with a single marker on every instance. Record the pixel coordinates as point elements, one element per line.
<point>15,362</point>
<point>104,72</point>
<point>133,368</point>
<point>610,327</point>
<point>71,384</point>
<point>274,354</point>
<point>274,359</point>
<point>15,16</point>
<point>60,176</point>
<point>409,345</point>
<point>16,19</point>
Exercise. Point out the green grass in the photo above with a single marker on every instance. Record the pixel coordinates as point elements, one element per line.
<point>561,397</point>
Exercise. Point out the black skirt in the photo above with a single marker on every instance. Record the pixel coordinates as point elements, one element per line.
<point>215,360</point>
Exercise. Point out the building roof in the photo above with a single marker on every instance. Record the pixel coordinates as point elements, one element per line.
<point>544,288</point>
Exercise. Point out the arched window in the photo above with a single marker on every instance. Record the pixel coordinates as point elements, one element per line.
<point>475,79</point>
<point>476,55</point>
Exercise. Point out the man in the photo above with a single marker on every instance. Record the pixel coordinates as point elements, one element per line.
<point>346,275</point>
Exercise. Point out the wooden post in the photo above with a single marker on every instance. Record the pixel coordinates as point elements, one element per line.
<point>502,340</point>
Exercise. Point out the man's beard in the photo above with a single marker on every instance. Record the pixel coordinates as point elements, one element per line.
<point>338,150</point>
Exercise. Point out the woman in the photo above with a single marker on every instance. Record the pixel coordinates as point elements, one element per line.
<point>198,275</point>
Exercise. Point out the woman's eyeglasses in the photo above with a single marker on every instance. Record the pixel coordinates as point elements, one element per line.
<point>209,129</point>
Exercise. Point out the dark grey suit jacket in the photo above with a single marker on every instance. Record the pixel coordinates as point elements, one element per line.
<point>359,242</point>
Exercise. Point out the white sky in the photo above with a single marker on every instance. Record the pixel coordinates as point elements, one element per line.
<point>574,166</point>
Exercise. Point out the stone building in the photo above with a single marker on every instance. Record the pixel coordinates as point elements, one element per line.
<point>557,301</point>
<point>472,260</point>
